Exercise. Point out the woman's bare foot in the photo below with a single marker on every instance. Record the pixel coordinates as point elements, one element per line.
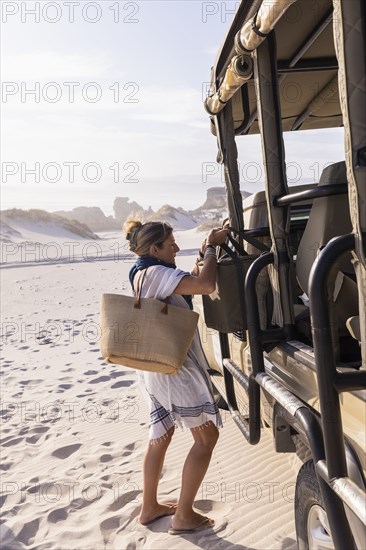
<point>191,521</point>
<point>158,511</point>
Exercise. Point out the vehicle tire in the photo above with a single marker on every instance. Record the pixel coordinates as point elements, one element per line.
<point>312,528</point>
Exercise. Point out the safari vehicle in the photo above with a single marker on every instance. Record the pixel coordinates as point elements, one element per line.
<point>296,361</point>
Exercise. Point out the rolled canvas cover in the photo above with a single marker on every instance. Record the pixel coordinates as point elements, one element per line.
<point>231,83</point>
<point>268,15</point>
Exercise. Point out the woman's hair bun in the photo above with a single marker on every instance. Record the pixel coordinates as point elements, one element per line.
<point>129,225</point>
<point>131,228</point>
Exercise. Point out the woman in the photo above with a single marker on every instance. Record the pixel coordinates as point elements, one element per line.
<point>184,399</point>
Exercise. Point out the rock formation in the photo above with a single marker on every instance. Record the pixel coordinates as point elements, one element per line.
<point>92,216</point>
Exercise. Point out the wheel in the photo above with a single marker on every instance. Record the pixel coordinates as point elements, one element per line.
<point>312,528</point>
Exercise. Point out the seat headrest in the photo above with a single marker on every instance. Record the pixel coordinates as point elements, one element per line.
<point>329,217</point>
<point>335,173</point>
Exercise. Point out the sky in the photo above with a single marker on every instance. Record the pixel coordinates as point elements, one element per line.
<point>105,99</point>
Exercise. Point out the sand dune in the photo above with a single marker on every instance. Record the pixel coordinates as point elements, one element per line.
<point>74,430</point>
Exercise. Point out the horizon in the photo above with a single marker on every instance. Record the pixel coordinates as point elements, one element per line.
<point>129,200</point>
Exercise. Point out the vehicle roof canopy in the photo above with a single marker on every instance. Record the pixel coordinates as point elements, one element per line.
<point>307,63</point>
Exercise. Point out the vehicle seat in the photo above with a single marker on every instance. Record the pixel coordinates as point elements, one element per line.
<point>256,215</point>
<point>329,217</point>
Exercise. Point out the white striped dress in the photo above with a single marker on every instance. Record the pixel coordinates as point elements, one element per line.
<point>184,399</point>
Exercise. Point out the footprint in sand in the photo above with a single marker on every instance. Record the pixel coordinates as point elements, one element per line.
<point>100,379</point>
<point>106,458</point>
<point>108,526</point>
<point>33,439</point>
<point>57,515</point>
<point>116,374</point>
<point>128,449</point>
<point>121,501</point>
<point>28,532</point>
<point>6,414</point>
<point>90,372</point>
<point>122,384</point>
<point>65,452</point>
<point>33,382</point>
<point>40,430</point>
<point>10,442</point>
<point>65,386</point>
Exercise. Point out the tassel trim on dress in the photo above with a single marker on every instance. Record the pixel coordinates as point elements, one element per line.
<point>163,438</point>
<point>167,434</point>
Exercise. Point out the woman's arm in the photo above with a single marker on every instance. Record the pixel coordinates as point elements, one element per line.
<point>204,281</point>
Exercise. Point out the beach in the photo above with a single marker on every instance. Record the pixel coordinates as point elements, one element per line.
<point>74,428</point>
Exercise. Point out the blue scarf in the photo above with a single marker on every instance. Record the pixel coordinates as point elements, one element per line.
<point>144,262</point>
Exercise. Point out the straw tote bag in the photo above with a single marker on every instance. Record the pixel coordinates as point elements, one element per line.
<point>144,333</point>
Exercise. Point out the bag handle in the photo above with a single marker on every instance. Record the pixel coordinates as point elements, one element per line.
<point>137,304</point>
<point>240,250</point>
<point>138,291</point>
<point>230,252</point>
<point>251,240</point>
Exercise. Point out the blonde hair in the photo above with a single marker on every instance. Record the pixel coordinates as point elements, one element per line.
<point>142,236</point>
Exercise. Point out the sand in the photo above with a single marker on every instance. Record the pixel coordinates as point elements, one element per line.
<point>74,428</point>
